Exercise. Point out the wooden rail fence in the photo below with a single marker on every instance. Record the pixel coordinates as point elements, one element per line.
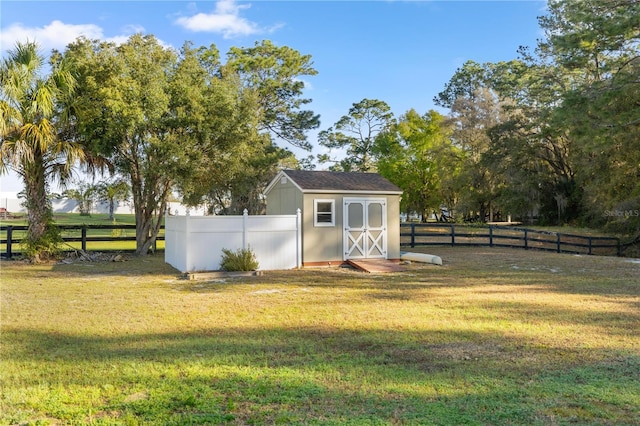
<point>432,234</point>
<point>86,235</point>
<point>411,235</point>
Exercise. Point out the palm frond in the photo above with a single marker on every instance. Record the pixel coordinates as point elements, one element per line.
<point>9,119</point>
<point>40,135</point>
<point>42,100</point>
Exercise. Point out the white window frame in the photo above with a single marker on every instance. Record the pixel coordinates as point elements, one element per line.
<point>315,212</point>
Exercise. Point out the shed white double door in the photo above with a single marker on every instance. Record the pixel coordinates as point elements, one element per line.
<point>365,228</point>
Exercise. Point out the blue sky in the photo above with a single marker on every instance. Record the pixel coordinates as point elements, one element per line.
<point>401,52</point>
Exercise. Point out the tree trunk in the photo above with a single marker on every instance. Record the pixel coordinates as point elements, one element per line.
<point>112,208</point>
<point>425,215</point>
<point>143,218</point>
<point>39,214</point>
<point>148,224</point>
<point>150,205</point>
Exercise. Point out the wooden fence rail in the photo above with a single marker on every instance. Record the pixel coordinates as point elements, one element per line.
<point>428,234</point>
<point>86,235</point>
<point>411,235</point>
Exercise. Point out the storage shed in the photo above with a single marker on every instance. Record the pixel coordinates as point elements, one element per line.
<point>345,215</point>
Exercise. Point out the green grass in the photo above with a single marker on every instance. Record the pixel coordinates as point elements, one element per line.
<point>492,337</point>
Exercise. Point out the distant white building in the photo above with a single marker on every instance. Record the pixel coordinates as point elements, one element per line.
<point>12,203</point>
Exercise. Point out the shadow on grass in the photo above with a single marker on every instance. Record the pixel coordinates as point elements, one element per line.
<point>329,376</point>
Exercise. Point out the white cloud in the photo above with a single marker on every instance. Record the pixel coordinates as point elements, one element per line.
<point>133,29</point>
<point>225,19</point>
<point>55,35</point>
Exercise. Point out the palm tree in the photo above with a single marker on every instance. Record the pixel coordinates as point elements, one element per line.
<point>112,192</point>
<point>32,121</point>
<point>83,194</point>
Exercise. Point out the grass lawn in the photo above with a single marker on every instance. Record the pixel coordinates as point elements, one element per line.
<point>494,336</point>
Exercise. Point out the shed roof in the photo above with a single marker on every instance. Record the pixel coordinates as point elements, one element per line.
<point>324,181</point>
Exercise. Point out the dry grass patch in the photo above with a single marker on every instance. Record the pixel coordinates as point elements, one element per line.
<point>491,337</point>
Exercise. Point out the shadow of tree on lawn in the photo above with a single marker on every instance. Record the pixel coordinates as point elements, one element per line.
<point>329,375</point>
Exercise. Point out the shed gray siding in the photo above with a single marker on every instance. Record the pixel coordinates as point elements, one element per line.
<point>284,198</point>
<point>321,244</point>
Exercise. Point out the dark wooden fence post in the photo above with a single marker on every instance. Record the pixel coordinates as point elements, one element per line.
<point>84,238</point>
<point>413,235</point>
<point>453,235</point>
<point>590,241</point>
<point>526,239</point>
<point>9,237</point>
<point>558,241</point>
<point>490,235</point>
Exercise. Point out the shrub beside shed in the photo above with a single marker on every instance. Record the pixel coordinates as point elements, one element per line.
<point>345,215</point>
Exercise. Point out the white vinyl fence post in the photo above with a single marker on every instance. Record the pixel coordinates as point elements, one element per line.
<point>299,238</point>
<point>187,246</point>
<point>245,228</point>
<point>170,233</point>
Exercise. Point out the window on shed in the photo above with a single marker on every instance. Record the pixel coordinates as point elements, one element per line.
<point>324,212</point>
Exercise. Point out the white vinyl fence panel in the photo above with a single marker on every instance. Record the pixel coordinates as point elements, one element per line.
<point>196,243</point>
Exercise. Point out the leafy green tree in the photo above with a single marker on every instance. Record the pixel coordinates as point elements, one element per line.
<point>473,117</point>
<point>32,136</point>
<point>569,140</point>
<point>540,147</point>
<point>416,154</point>
<point>184,122</point>
<point>476,106</point>
<point>465,83</point>
<point>355,134</point>
<point>121,108</point>
<point>598,45</point>
<point>263,85</point>
<point>524,162</point>
<point>275,74</point>
<point>231,156</point>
